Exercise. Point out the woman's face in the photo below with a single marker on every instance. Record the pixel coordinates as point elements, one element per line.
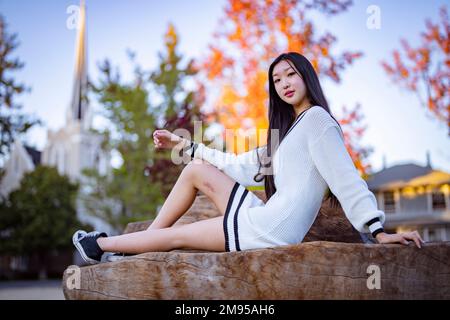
<point>288,84</point>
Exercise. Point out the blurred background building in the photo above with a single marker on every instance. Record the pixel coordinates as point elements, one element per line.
<point>72,148</point>
<point>414,197</point>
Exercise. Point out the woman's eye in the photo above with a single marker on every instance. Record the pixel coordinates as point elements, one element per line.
<point>292,73</point>
<point>276,80</point>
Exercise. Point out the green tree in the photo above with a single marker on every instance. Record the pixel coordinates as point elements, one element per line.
<point>12,122</point>
<point>179,107</point>
<point>40,216</point>
<point>135,189</point>
<point>126,194</point>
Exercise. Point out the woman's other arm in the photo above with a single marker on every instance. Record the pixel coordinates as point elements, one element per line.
<point>358,202</point>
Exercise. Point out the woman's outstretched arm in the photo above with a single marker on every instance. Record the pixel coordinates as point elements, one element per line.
<point>242,168</point>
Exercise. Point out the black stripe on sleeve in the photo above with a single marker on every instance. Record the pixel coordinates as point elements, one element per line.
<point>194,146</point>
<point>373,221</point>
<point>374,234</point>
<point>377,231</point>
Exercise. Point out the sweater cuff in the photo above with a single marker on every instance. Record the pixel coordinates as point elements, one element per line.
<point>375,226</point>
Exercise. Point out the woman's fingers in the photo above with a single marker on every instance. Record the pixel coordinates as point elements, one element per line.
<point>412,236</point>
<point>404,241</point>
<point>418,235</point>
<point>159,133</point>
<point>404,238</point>
<point>417,239</point>
<point>158,137</point>
<point>156,140</point>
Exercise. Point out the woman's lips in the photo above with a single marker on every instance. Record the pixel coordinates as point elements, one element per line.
<point>290,94</point>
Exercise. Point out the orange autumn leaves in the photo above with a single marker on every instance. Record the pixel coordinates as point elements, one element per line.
<point>353,129</point>
<point>425,70</point>
<point>250,35</point>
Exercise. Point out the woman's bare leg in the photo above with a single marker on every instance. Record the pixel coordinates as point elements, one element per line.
<point>161,236</point>
<point>197,175</point>
<point>186,236</point>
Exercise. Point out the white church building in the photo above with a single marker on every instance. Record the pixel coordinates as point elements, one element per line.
<point>70,149</point>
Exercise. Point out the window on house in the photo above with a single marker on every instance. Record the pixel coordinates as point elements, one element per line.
<point>389,201</point>
<point>438,200</point>
<point>433,235</point>
<point>447,233</point>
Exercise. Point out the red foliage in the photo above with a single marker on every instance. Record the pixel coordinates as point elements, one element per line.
<point>425,70</point>
<point>353,129</point>
<point>250,35</point>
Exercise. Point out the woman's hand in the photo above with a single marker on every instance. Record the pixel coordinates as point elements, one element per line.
<point>164,139</point>
<point>402,238</point>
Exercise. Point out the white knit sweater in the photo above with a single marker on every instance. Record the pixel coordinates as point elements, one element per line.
<point>311,158</point>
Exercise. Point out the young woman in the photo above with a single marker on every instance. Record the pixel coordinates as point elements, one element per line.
<point>297,172</point>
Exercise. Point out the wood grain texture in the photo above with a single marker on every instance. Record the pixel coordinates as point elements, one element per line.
<point>314,270</point>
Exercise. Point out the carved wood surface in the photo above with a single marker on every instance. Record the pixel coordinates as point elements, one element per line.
<point>313,270</point>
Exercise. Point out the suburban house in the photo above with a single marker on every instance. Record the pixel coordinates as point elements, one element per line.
<point>414,197</point>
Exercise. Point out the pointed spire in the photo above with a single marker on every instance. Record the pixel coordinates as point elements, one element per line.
<point>428,159</point>
<point>78,106</point>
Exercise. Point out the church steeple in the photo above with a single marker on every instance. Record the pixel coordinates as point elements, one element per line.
<point>78,106</point>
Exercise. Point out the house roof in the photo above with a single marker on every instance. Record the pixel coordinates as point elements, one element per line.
<point>406,175</point>
<point>34,154</point>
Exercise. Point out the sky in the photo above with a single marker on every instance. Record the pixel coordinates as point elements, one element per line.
<point>398,128</point>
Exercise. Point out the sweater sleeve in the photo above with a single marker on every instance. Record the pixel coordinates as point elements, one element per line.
<point>336,167</point>
<point>242,168</point>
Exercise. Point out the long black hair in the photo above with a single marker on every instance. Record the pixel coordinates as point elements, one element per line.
<point>282,115</point>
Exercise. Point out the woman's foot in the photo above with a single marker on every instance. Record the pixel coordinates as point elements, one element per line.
<point>87,246</point>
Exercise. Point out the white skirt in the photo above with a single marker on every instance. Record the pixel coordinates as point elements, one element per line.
<point>240,234</point>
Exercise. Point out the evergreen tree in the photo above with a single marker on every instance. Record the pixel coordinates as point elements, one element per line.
<point>178,109</point>
<point>40,216</point>
<point>12,122</point>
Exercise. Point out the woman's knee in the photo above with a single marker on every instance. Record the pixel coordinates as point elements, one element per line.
<point>194,168</point>
<point>211,181</point>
